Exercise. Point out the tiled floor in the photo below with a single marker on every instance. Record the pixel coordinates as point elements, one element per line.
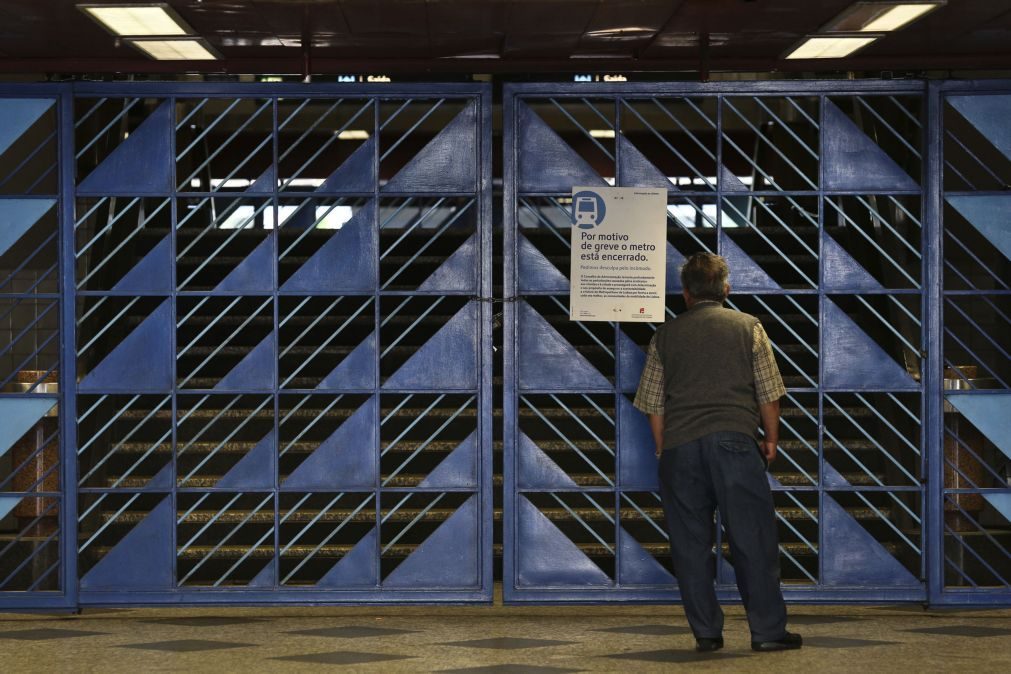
<point>493,639</point>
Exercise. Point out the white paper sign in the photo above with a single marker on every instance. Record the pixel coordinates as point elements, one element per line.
<point>619,254</point>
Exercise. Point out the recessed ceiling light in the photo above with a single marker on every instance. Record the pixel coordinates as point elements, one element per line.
<point>353,134</point>
<point>602,133</point>
<point>830,47</point>
<point>177,49</point>
<point>138,19</point>
<point>879,17</point>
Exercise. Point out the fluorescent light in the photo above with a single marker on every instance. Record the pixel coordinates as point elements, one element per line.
<point>879,16</point>
<point>152,18</point>
<point>602,133</point>
<point>353,134</point>
<point>186,49</point>
<point>830,47</point>
<point>897,17</point>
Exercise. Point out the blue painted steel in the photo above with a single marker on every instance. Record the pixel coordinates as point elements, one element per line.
<point>19,416</point>
<point>141,559</point>
<point>17,216</point>
<point>141,163</point>
<point>854,361</point>
<point>989,214</point>
<point>19,114</point>
<point>531,171</point>
<point>447,361</point>
<point>255,371</point>
<point>854,162</point>
<point>989,115</point>
<point>851,556</point>
<point>345,460</point>
<point>551,558</point>
<point>637,171</point>
<point>448,558</point>
<point>536,470</point>
<point>441,165</point>
<point>459,470</point>
<point>554,166</point>
<point>536,273</point>
<point>549,361</point>
<point>989,412</point>
<point>458,273</point>
<point>346,262</point>
<point>841,273</point>
<point>746,276</point>
<point>148,344</point>
<point>356,174</point>
<point>153,274</point>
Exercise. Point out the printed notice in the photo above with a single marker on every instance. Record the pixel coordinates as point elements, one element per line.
<point>619,254</point>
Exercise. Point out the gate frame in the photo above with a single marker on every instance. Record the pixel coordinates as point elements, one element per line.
<point>70,597</point>
<point>932,590</point>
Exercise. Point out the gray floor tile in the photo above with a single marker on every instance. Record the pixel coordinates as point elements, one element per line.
<point>844,642</point>
<point>817,619</point>
<point>675,656</point>
<point>507,643</point>
<point>47,633</point>
<point>187,645</point>
<point>655,630</point>
<point>342,658</point>
<point>202,621</point>
<point>963,631</point>
<point>509,669</point>
<point>351,632</point>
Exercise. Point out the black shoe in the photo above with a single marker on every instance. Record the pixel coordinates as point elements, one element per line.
<point>788,643</point>
<point>705,645</point>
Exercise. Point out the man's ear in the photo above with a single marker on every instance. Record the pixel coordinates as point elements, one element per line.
<point>726,290</point>
<point>685,294</point>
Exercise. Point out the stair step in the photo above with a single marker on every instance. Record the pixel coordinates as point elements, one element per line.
<point>367,515</point>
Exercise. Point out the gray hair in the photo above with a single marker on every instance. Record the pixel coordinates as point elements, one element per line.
<point>704,276</point>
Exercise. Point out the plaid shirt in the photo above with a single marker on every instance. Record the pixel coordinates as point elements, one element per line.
<point>768,382</point>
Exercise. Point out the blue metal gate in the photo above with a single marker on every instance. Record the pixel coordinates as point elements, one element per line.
<point>244,356</point>
<point>244,353</point>
<point>829,200</point>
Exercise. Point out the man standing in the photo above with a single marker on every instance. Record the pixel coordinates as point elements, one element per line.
<point>710,376</point>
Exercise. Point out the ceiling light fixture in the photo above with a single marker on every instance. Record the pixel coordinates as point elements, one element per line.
<point>830,46</point>
<point>879,17</point>
<point>175,49</point>
<point>602,133</point>
<point>353,134</point>
<point>137,19</point>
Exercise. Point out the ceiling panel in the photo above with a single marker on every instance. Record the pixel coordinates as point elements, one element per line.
<point>46,35</point>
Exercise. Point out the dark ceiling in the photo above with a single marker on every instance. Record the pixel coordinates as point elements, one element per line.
<point>514,36</point>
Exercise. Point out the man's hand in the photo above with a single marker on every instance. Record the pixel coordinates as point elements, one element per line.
<point>770,425</point>
<point>769,450</point>
<point>656,426</point>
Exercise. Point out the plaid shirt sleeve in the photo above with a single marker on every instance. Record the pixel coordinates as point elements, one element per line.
<point>768,382</point>
<point>649,395</point>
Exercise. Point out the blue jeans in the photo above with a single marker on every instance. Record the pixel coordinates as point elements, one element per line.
<point>723,470</point>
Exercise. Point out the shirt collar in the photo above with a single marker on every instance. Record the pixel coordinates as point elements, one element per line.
<point>702,304</point>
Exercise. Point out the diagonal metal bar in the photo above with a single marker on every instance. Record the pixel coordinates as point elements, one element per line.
<point>428,242</point>
<point>119,246</point>
<point>582,326</point>
<point>567,441</point>
<point>313,422</point>
<point>327,539</point>
<point>127,106</point>
<point>225,539</point>
<point>411,327</point>
<point>568,115</point>
<point>414,521</point>
<point>587,527</point>
<point>404,136</point>
<point>421,447</point>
